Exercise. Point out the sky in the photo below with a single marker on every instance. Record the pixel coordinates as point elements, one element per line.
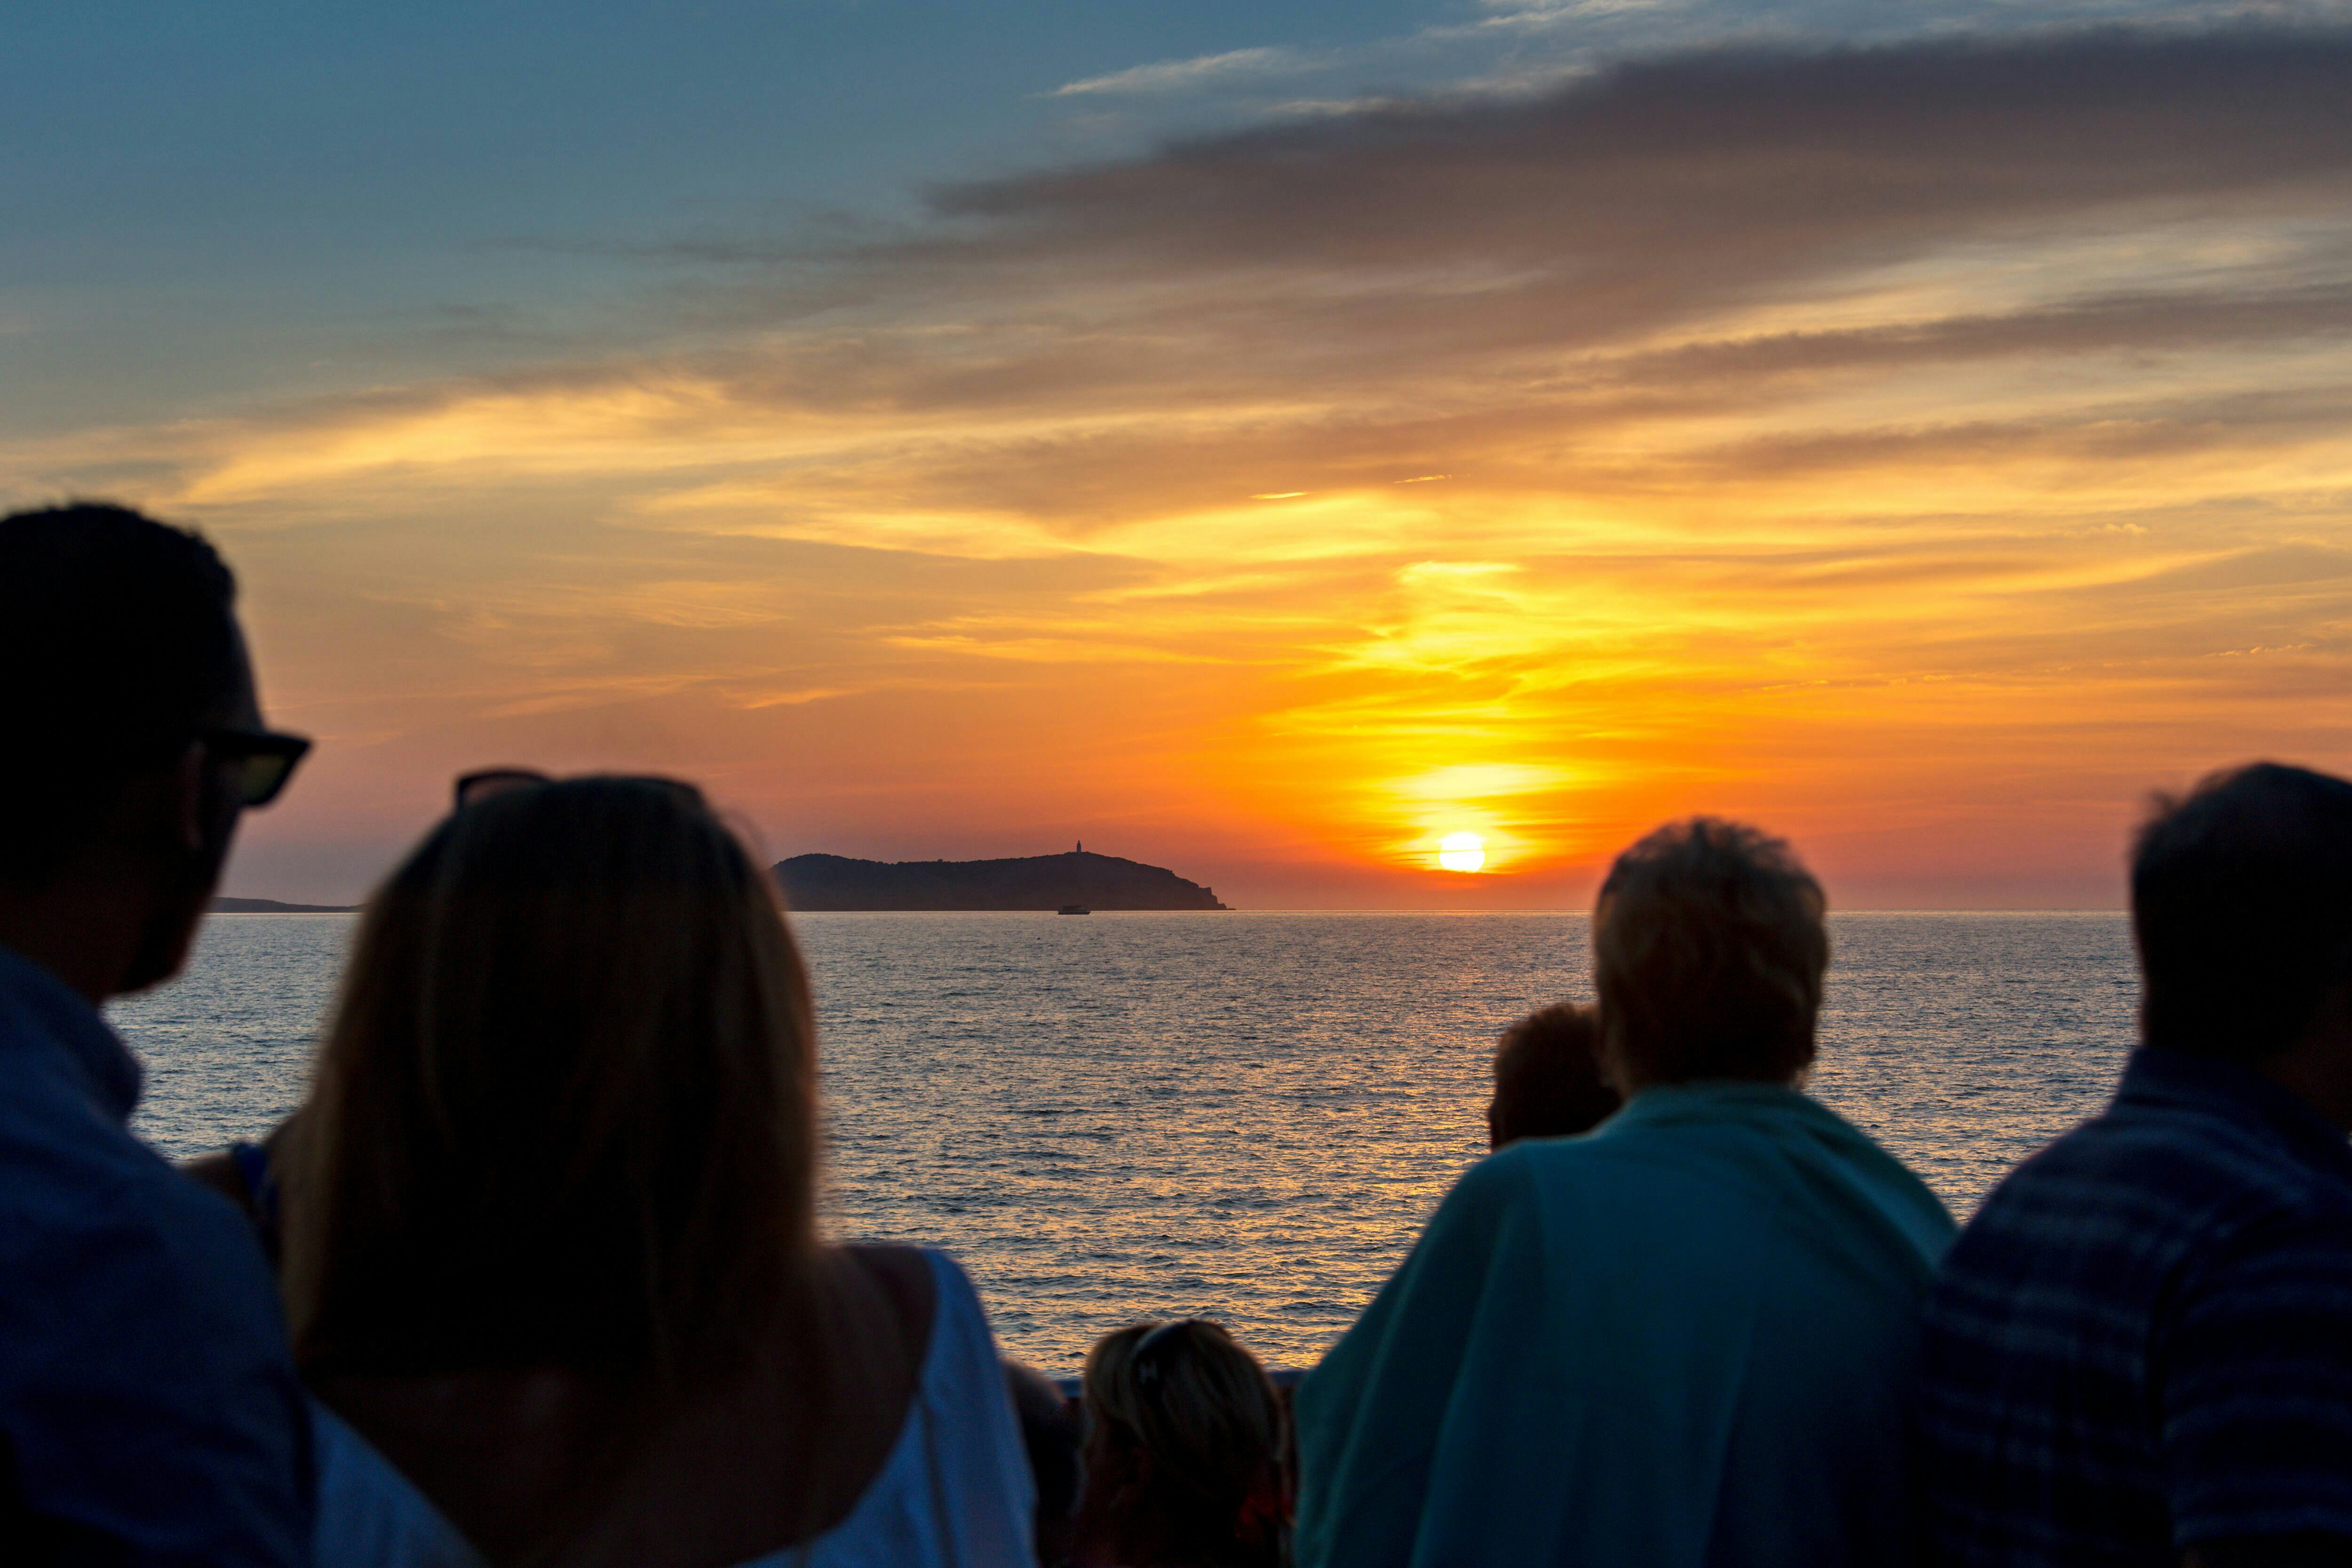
<point>1259,440</point>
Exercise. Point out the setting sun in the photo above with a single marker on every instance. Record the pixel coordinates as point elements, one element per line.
<point>1461,852</point>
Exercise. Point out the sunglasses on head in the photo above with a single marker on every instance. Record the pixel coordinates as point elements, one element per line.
<point>264,760</point>
<point>485,782</point>
<point>1148,1360</point>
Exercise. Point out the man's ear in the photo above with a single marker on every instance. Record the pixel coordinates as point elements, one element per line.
<point>186,808</point>
<point>1608,1056</point>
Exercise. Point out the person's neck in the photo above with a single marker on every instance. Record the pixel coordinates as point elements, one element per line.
<point>2317,1068</point>
<point>1631,1083</point>
<point>85,932</point>
<point>2321,1078</point>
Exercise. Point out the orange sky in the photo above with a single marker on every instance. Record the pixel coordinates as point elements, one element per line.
<point>1881,446</point>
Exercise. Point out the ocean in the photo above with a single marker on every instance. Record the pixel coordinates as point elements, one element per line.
<point>1244,1115</point>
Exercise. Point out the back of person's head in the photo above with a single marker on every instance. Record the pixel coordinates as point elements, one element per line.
<point>1547,1080</point>
<point>1709,944</point>
<point>1054,1434</point>
<point>119,638</point>
<point>566,1110</point>
<point>2242,908</point>
<point>1184,1450</point>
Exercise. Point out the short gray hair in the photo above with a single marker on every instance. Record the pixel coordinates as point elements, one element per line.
<point>1708,948</point>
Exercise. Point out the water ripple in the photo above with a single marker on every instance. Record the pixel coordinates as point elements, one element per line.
<point>1240,1114</point>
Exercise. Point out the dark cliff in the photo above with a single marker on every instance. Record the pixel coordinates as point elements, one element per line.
<point>816,883</point>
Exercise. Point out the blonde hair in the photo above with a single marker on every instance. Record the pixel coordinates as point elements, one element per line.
<point>1193,1431</point>
<point>566,1110</point>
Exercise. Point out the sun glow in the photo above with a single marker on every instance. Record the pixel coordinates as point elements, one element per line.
<point>1461,852</point>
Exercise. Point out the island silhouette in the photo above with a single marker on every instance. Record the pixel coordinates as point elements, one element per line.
<point>1074,884</point>
<point>819,883</point>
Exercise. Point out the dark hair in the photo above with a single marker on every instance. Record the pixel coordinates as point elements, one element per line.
<point>1708,948</point>
<point>1054,1434</point>
<point>1184,1450</point>
<point>118,638</point>
<point>2242,909</point>
<point>1547,1080</point>
<point>565,1111</point>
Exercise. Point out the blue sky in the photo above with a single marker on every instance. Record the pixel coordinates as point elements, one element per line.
<point>210,202</point>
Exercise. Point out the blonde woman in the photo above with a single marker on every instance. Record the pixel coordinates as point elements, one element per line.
<point>1183,1457</point>
<point>550,1251</point>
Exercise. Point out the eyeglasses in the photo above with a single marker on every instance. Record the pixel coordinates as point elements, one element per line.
<point>264,760</point>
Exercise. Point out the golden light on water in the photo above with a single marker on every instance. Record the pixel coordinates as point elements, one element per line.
<point>1461,852</point>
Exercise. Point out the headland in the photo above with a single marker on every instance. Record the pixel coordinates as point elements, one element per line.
<point>816,884</point>
<point>273,906</point>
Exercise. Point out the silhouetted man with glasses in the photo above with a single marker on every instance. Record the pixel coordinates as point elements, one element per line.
<point>148,1411</point>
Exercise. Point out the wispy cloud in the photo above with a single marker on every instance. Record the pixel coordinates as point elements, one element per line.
<point>1521,47</point>
<point>1170,75</point>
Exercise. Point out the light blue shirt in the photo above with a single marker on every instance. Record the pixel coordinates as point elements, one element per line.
<point>1678,1341</point>
<point>955,1492</point>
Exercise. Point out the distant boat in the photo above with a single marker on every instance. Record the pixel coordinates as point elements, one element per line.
<point>1073,909</point>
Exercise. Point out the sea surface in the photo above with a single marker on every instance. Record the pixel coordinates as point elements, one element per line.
<point>1245,1115</point>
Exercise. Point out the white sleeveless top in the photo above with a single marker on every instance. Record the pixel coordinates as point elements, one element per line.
<point>955,1492</point>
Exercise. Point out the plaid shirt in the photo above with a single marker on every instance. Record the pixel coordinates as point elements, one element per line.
<point>2144,1339</point>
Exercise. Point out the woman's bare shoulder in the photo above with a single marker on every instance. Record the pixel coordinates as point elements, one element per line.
<point>904,1282</point>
